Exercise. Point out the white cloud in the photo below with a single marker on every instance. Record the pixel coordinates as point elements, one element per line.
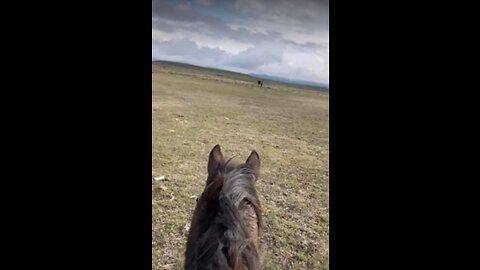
<point>317,37</point>
<point>226,44</point>
<point>299,66</point>
<point>250,28</point>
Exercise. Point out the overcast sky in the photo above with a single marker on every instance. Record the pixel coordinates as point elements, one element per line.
<point>275,37</point>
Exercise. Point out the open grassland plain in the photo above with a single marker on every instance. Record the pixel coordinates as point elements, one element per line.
<point>192,110</point>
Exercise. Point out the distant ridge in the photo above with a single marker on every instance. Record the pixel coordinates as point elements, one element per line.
<point>195,66</point>
<point>285,80</point>
<point>249,77</point>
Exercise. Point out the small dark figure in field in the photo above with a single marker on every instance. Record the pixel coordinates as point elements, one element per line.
<point>226,223</point>
<point>261,84</point>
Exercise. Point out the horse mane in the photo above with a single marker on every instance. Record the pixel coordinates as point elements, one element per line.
<point>227,242</point>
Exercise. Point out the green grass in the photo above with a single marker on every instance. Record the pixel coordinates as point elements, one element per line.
<point>194,109</point>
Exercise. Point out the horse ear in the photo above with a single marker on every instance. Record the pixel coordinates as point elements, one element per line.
<point>214,187</point>
<point>254,162</point>
<point>215,160</point>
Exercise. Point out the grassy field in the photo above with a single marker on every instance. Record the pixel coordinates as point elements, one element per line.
<point>193,109</point>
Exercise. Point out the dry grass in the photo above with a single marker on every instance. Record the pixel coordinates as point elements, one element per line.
<point>194,110</point>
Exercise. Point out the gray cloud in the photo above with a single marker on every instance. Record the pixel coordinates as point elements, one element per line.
<point>168,18</point>
<point>204,2</point>
<point>184,13</point>
<point>268,36</point>
<point>298,12</point>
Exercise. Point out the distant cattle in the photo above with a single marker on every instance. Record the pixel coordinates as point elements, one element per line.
<point>260,83</point>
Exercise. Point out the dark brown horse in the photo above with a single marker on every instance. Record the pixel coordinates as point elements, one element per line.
<point>226,224</point>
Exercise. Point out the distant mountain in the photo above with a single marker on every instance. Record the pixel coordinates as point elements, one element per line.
<point>285,80</point>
